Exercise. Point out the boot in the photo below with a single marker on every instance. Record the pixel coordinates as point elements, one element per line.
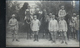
<point>62,42</point>
<point>34,37</point>
<point>43,35</point>
<point>13,40</point>
<point>50,39</point>
<point>37,37</point>
<point>17,40</point>
<point>65,42</point>
<point>53,41</point>
<point>13,37</point>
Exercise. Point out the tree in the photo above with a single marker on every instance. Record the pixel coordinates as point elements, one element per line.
<point>11,8</point>
<point>54,6</point>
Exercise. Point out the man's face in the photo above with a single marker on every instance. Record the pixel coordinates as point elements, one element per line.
<point>74,14</point>
<point>62,7</point>
<point>53,16</point>
<point>50,14</point>
<point>35,17</point>
<point>13,16</point>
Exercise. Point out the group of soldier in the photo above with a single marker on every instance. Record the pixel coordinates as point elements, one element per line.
<point>53,26</point>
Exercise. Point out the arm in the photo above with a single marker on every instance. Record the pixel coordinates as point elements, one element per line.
<point>9,22</point>
<point>59,13</point>
<point>17,24</point>
<point>70,24</point>
<point>49,26</point>
<point>66,27</point>
<point>57,26</point>
<point>39,23</point>
<point>64,12</point>
<point>27,22</point>
<point>31,24</point>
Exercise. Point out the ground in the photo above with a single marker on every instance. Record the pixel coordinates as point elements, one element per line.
<point>43,42</point>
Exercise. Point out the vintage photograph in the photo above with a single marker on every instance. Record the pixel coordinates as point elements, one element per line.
<point>42,23</point>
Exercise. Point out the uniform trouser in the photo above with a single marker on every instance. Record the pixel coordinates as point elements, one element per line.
<point>14,34</point>
<point>29,34</point>
<point>50,35</point>
<point>53,35</point>
<point>73,34</point>
<point>35,34</point>
<point>77,34</point>
<point>63,36</point>
<point>45,33</point>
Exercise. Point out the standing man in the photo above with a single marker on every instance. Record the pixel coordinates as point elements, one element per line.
<point>62,12</point>
<point>27,23</point>
<point>73,25</point>
<point>63,29</point>
<point>35,25</point>
<point>13,23</point>
<point>50,14</point>
<point>53,28</point>
<point>28,29</point>
<point>77,28</point>
<point>44,24</point>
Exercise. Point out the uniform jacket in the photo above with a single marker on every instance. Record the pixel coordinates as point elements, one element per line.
<point>62,13</point>
<point>53,25</point>
<point>35,24</point>
<point>13,23</point>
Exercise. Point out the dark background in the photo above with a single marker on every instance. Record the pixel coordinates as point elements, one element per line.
<point>2,24</point>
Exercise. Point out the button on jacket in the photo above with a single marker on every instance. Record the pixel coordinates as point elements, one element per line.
<point>13,23</point>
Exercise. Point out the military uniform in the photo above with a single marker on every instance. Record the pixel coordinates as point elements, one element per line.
<point>62,13</point>
<point>35,24</point>
<point>77,29</point>
<point>53,28</point>
<point>13,23</point>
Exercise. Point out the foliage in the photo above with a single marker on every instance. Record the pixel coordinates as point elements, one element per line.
<point>54,6</point>
<point>15,8</point>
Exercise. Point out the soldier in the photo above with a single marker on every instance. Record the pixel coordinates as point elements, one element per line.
<point>77,28</point>
<point>63,29</point>
<point>50,14</point>
<point>13,24</point>
<point>72,25</point>
<point>27,22</point>
<point>62,12</point>
<point>35,25</point>
<point>53,27</point>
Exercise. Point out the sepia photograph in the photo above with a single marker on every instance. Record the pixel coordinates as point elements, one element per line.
<point>42,23</point>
